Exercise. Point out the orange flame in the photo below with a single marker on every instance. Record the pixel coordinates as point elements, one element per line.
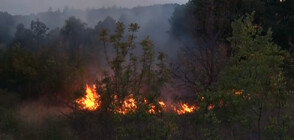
<point>152,107</point>
<point>185,108</point>
<point>210,107</point>
<point>129,104</point>
<point>239,92</point>
<point>91,101</point>
<point>162,104</point>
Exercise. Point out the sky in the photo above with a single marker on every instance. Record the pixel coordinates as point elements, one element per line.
<point>24,7</point>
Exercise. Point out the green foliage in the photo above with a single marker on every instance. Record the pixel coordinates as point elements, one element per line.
<point>129,73</point>
<point>33,74</point>
<point>242,95</point>
<point>148,128</point>
<point>250,97</point>
<point>255,71</point>
<point>9,123</point>
<point>18,66</point>
<point>279,128</point>
<point>72,28</point>
<point>209,16</point>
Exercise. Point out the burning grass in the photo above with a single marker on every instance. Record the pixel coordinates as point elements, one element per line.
<point>91,102</point>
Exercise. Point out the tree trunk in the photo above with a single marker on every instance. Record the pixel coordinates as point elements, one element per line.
<point>259,121</point>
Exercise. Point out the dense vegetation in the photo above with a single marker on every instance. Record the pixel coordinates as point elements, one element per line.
<point>235,67</point>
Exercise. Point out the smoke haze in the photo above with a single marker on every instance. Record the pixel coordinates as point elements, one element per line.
<point>23,7</point>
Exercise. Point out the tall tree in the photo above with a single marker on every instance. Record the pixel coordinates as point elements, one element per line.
<point>6,25</point>
<point>23,36</point>
<point>39,30</point>
<point>203,26</point>
<point>73,31</point>
<point>129,76</point>
<point>255,73</point>
<point>279,15</point>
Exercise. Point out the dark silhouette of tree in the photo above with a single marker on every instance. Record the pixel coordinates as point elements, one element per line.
<point>73,31</point>
<point>23,36</point>
<point>39,30</point>
<point>279,16</point>
<point>6,24</point>
<point>73,36</point>
<point>203,37</point>
<point>108,23</point>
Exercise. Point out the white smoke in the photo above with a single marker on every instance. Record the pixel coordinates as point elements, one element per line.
<point>35,6</point>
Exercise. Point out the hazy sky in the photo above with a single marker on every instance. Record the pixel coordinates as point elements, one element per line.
<point>34,6</point>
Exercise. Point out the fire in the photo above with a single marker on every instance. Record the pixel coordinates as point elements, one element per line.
<point>152,107</point>
<point>210,107</point>
<point>238,92</point>
<point>162,104</point>
<point>91,101</point>
<point>129,104</point>
<point>185,108</point>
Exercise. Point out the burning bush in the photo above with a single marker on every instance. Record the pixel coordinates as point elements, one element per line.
<point>130,79</point>
<point>124,97</point>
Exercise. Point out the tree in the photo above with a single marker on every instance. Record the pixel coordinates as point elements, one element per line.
<point>73,31</point>
<point>75,37</point>
<point>279,15</point>
<point>255,73</point>
<point>39,30</point>
<point>202,27</point>
<point>108,23</point>
<point>128,76</point>
<point>23,36</point>
<point>18,70</point>
<point>6,25</point>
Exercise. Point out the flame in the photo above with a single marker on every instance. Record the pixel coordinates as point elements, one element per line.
<point>239,92</point>
<point>185,108</point>
<point>91,101</point>
<point>153,109</point>
<point>211,106</point>
<point>129,104</point>
<point>162,104</point>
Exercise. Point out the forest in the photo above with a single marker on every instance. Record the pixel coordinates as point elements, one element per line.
<point>204,70</point>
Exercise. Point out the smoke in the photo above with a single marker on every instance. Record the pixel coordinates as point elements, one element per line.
<point>38,111</point>
<point>34,6</point>
<point>153,21</point>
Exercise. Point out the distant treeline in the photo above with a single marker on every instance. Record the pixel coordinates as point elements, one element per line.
<point>149,16</point>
